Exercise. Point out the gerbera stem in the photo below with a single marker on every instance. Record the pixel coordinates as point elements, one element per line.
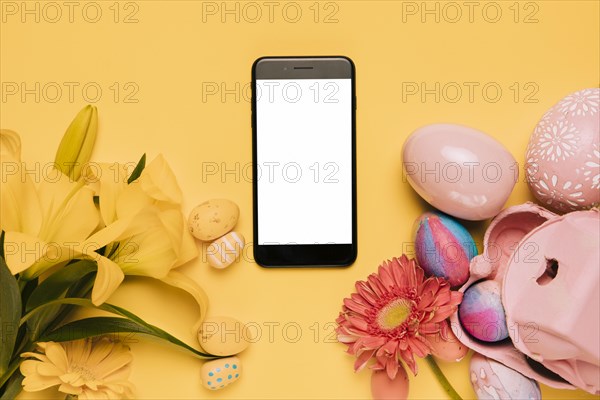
<point>442,378</point>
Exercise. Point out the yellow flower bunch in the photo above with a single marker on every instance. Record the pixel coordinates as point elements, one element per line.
<point>71,237</point>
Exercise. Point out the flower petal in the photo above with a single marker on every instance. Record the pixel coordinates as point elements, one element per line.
<point>409,360</point>
<point>118,230</point>
<point>385,276</point>
<point>159,182</point>
<point>117,360</point>
<point>359,323</point>
<point>362,360</point>
<point>366,292</point>
<point>21,251</point>
<point>34,383</point>
<point>183,282</point>
<point>29,367</point>
<point>108,279</point>
<point>112,179</point>
<point>57,356</point>
<point>356,307</point>
<point>68,209</point>
<point>132,200</point>
<point>188,249</point>
<point>391,367</point>
<point>69,389</point>
<point>10,145</point>
<point>20,209</point>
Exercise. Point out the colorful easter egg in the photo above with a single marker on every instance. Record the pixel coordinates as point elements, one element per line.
<point>459,170</point>
<point>213,218</point>
<point>481,313</point>
<point>563,154</point>
<point>220,373</point>
<point>492,380</point>
<point>225,250</point>
<point>384,388</point>
<point>444,247</point>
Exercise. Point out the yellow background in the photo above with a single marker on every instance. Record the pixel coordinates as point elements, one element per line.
<point>172,56</point>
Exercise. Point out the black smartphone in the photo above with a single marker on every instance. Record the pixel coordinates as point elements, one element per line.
<point>304,161</point>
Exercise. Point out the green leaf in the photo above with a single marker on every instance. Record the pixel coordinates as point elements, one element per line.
<point>55,287</point>
<point>27,290</point>
<point>137,171</point>
<point>13,387</point>
<point>81,289</point>
<point>2,244</point>
<point>10,312</point>
<point>95,326</point>
<point>57,284</point>
<point>157,331</point>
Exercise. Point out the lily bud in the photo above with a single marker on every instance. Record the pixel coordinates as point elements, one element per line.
<point>76,146</point>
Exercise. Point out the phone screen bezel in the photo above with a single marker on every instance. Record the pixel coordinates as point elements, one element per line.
<point>304,255</point>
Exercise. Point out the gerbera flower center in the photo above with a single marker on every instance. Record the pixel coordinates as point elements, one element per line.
<point>84,372</point>
<point>394,314</point>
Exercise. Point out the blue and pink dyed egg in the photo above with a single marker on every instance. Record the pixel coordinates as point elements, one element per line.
<point>481,313</point>
<point>444,247</point>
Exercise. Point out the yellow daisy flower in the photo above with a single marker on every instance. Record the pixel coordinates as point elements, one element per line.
<point>89,368</point>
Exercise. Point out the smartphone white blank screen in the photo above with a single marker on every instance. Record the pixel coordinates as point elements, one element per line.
<point>304,161</point>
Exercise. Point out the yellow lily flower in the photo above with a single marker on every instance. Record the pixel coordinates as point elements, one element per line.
<point>43,223</point>
<point>145,232</point>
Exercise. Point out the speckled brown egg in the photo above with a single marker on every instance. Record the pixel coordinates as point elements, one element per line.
<point>213,219</point>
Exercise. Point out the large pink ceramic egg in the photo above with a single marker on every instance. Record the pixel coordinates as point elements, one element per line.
<point>563,155</point>
<point>459,170</point>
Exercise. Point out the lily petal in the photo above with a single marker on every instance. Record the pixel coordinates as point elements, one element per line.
<point>149,253</point>
<point>69,210</point>
<point>108,279</point>
<point>188,250</point>
<point>118,230</point>
<point>112,179</point>
<point>20,208</point>
<point>183,282</point>
<point>159,182</point>
<point>22,251</point>
<point>132,200</point>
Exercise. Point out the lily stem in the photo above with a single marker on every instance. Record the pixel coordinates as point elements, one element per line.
<point>442,378</point>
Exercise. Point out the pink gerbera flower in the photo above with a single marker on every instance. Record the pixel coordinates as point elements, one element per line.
<point>394,314</point>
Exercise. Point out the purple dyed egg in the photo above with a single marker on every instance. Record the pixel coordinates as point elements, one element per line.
<point>481,312</point>
<point>444,247</point>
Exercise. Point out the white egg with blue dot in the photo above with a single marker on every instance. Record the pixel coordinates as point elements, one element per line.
<point>217,374</point>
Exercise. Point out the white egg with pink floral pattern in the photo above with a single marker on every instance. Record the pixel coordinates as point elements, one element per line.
<point>563,155</point>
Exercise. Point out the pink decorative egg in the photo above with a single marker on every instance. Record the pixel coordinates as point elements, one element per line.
<point>384,388</point>
<point>563,154</point>
<point>495,381</point>
<point>459,170</point>
<point>447,347</point>
<point>481,312</point>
